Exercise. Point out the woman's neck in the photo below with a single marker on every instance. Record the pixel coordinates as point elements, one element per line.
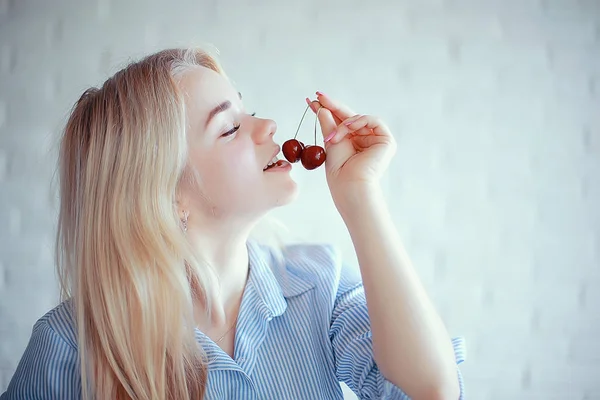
<point>229,260</point>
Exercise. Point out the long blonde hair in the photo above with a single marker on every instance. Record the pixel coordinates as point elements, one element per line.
<point>122,256</point>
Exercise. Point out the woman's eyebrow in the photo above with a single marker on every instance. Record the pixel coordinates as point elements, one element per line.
<point>220,108</point>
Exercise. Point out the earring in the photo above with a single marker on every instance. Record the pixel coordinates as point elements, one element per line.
<point>184,221</point>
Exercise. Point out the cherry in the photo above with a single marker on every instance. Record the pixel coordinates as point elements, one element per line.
<point>292,150</point>
<point>313,157</point>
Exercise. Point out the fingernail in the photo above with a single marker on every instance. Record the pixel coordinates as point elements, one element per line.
<point>330,136</point>
<point>320,93</point>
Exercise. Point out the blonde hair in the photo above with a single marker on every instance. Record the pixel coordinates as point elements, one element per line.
<point>122,257</point>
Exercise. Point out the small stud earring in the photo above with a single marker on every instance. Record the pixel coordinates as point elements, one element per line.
<point>184,221</point>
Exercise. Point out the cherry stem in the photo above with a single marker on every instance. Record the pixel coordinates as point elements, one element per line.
<point>302,119</point>
<point>316,120</point>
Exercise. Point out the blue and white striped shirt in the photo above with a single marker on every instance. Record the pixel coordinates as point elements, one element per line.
<point>303,327</point>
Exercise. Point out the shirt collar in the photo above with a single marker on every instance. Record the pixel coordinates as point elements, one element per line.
<point>271,284</point>
<point>272,280</point>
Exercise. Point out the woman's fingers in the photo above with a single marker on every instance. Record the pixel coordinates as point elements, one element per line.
<point>359,125</point>
<point>334,116</point>
<point>339,110</point>
<point>327,121</point>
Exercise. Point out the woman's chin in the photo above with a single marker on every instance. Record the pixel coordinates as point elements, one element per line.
<point>288,196</point>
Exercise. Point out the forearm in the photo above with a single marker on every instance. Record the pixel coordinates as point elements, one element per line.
<point>411,345</point>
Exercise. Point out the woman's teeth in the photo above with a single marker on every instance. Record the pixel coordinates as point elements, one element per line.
<point>271,163</point>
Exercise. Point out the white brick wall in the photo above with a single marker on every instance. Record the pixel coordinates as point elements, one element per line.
<point>496,187</point>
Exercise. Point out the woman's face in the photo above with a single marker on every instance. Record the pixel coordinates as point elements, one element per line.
<point>230,149</point>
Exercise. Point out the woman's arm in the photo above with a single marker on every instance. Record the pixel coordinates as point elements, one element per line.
<point>410,343</point>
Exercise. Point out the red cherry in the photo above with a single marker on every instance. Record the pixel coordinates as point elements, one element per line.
<point>292,150</point>
<point>313,157</point>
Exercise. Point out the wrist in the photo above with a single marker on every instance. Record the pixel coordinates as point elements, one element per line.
<point>358,199</point>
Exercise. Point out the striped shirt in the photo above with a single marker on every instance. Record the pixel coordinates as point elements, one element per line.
<point>303,328</point>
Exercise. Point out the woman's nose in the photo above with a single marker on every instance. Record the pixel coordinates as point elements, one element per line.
<point>265,129</point>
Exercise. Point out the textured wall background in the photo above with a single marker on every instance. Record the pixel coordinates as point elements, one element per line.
<point>496,186</point>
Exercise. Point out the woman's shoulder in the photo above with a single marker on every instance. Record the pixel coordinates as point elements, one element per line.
<point>59,322</point>
<point>48,366</point>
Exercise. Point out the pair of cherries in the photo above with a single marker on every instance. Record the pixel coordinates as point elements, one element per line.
<point>311,156</point>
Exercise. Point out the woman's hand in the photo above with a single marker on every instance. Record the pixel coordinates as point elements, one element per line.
<point>359,147</point>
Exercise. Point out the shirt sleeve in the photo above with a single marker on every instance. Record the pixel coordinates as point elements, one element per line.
<point>350,334</point>
<point>48,369</point>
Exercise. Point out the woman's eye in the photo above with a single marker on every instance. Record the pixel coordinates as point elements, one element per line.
<point>232,131</point>
<point>235,128</point>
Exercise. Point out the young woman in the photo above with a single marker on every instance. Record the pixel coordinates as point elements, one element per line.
<point>163,176</point>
